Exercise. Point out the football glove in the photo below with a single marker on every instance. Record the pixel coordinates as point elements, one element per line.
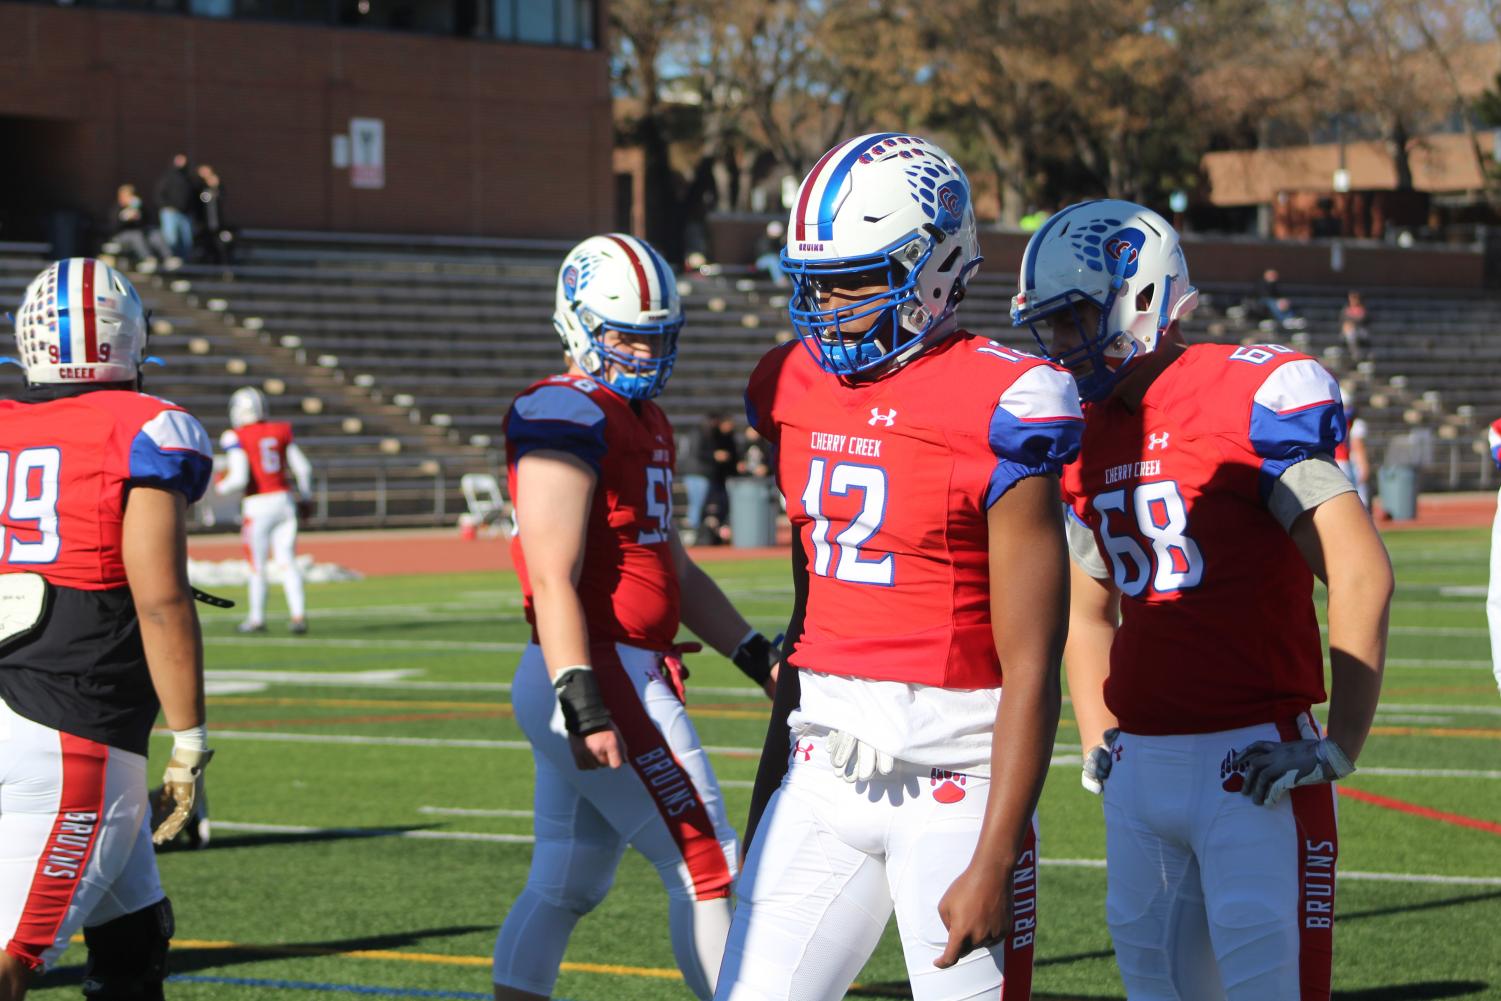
<point>755,656</point>
<point>1097,762</point>
<point>1274,767</point>
<point>180,784</point>
<point>674,671</point>
<point>583,706</point>
<point>855,760</point>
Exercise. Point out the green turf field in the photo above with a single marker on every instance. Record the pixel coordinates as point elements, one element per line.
<point>371,792</point>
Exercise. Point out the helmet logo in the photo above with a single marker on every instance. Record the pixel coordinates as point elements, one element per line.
<point>570,281</point>
<point>952,199</point>
<point>1124,245</point>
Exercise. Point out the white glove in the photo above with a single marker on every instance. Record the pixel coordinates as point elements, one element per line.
<point>180,783</point>
<point>855,760</point>
<point>1273,767</point>
<point>1097,762</point>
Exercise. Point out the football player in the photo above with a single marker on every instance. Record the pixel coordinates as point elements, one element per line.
<point>1203,503</point>
<point>920,465</point>
<point>1493,593</point>
<point>97,632</point>
<point>261,452</point>
<point>606,580</point>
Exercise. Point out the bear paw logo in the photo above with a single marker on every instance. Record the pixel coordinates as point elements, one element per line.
<point>950,785</point>
<point>1232,779</point>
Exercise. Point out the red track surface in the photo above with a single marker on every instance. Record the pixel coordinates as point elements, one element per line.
<point>398,551</point>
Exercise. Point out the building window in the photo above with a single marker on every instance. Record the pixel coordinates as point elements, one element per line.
<point>545,22</point>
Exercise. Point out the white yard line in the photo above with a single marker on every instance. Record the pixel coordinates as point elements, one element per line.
<point>464,811</point>
<point>526,839</point>
<point>1439,665</point>
<point>1432,773</point>
<point>357,644</point>
<point>399,679</point>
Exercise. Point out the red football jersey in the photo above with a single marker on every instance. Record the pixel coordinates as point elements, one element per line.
<point>65,465</point>
<point>1218,629</point>
<point>265,444</point>
<point>628,584</point>
<point>888,483</point>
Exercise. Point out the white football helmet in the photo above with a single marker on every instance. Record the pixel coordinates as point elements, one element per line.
<point>617,282</point>
<point>1106,252</point>
<point>247,405</point>
<point>81,321</point>
<point>889,210</point>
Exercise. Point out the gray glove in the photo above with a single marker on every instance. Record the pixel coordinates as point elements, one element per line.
<point>1273,767</point>
<point>855,760</point>
<point>1097,762</point>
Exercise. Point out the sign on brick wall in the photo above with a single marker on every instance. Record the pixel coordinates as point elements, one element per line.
<point>367,165</point>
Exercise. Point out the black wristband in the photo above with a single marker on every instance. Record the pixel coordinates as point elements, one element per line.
<point>584,709</point>
<point>754,657</point>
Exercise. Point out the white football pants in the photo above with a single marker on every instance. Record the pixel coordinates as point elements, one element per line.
<point>75,837</point>
<point>664,802</point>
<point>269,522</point>
<point>1493,595</point>
<point>1209,895</point>
<point>830,863</point>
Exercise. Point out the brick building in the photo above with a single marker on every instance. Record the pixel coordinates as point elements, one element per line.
<point>494,114</point>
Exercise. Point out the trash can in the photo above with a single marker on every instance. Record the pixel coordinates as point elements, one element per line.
<point>1398,489</point>
<point>753,511</point>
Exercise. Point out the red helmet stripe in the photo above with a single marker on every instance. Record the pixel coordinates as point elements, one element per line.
<point>807,192</point>
<point>641,280</point>
<point>90,323</point>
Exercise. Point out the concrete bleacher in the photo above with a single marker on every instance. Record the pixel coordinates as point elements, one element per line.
<point>415,346</point>
<point>372,464</point>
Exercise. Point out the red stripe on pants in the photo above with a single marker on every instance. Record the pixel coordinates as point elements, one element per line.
<point>1318,850</point>
<point>1016,961</point>
<point>69,846</point>
<point>665,779</point>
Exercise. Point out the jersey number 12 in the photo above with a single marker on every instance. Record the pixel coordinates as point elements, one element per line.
<point>850,565</point>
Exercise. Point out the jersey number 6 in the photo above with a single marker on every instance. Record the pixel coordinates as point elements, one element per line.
<point>1158,514</point>
<point>851,565</point>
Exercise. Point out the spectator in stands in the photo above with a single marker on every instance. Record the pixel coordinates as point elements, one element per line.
<point>723,454</point>
<point>141,243</point>
<point>1493,592</point>
<point>769,252</point>
<point>693,473</point>
<point>176,203</point>
<point>1352,325</point>
<point>1351,455</point>
<point>1277,305</point>
<point>214,234</point>
<point>757,461</point>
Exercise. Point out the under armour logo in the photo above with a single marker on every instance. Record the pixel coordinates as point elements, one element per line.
<point>888,418</point>
<point>1119,750</point>
<point>805,751</point>
<point>1156,441</point>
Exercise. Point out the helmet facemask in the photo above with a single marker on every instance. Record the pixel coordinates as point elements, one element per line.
<point>1126,262</point>
<point>615,284</point>
<point>631,375</point>
<point>881,242</point>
